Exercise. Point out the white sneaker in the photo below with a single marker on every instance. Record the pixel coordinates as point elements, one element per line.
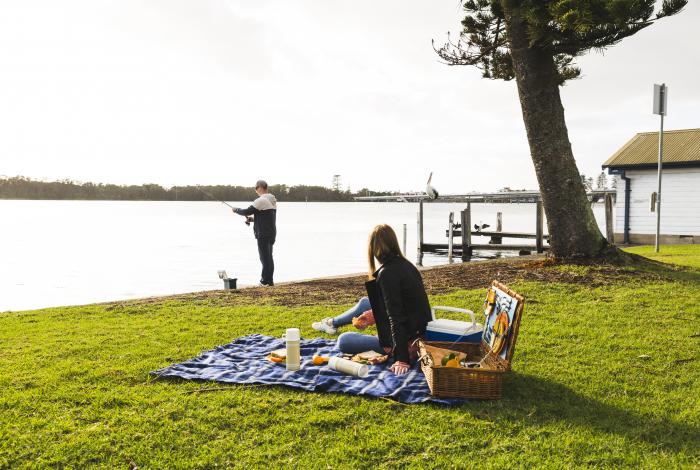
<point>325,325</point>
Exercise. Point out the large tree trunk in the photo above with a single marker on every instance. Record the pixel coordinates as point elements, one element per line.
<point>572,227</point>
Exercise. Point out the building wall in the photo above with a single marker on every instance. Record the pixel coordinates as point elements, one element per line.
<point>680,206</point>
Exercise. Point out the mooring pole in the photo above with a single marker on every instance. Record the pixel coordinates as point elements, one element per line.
<point>419,260</point>
<point>609,226</point>
<point>496,240</point>
<point>404,239</point>
<point>467,232</point>
<point>539,220</point>
<point>450,237</point>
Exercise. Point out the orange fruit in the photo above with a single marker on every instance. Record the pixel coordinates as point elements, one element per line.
<point>452,363</point>
<point>319,360</point>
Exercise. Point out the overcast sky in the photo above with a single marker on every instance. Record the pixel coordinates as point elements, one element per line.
<point>229,91</point>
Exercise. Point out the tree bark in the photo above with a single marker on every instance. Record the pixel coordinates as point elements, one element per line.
<point>572,227</point>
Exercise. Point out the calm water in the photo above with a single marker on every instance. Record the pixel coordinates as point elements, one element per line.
<point>56,253</point>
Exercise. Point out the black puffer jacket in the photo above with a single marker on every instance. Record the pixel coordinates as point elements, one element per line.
<point>264,212</point>
<point>403,297</point>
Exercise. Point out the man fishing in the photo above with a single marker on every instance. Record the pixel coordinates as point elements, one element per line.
<point>263,213</point>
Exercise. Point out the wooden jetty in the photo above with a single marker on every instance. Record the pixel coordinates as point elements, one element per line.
<point>465,249</point>
<point>496,198</point>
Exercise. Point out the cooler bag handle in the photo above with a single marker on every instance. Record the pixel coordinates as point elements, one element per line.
<point>454,309</point>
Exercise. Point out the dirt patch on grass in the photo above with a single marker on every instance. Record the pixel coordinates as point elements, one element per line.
<point>437,280</point>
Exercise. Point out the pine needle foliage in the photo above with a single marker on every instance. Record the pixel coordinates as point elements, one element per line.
<point>564,28</point>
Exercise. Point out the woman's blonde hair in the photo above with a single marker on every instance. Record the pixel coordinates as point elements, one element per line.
<point>382,245</point>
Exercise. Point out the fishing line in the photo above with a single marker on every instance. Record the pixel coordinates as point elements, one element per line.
<point>213,197</point>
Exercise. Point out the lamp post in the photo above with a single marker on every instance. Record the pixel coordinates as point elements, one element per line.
<point>660,108</point>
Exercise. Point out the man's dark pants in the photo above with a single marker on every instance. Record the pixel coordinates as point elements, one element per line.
<point>268,265</point>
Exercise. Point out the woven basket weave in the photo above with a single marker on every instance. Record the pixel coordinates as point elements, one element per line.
<point>485,382</point>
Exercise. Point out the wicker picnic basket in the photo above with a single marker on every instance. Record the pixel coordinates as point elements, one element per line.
<point>485,382</point>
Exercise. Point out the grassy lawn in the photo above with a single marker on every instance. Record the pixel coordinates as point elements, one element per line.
<point>605,375</point>
<point>685,255</point>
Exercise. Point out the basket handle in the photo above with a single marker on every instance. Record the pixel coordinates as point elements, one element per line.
<point>426,358</point>
<point>454,309</point>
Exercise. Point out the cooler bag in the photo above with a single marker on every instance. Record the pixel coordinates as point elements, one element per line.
<point>456,331</point>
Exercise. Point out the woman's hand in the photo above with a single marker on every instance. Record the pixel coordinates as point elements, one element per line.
<point>399,368</point>
<point>363,321</point>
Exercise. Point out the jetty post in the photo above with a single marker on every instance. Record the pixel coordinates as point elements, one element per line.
<point>467,232</point>
<point>539,241</point>
<point>496,240</point>
<point>609,226</point>
<point>404,239</point>
<point>419,259</point>
<point>450,237</point>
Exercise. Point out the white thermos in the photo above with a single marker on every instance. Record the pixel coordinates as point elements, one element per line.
<point>292,337</point>
<point>348,367</point>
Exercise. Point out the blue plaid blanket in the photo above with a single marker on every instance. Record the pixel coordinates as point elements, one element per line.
<point>244,361</point>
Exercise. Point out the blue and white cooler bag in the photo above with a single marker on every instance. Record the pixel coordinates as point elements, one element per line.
<point>455,331</point>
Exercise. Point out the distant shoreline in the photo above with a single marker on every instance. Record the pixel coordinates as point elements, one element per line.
<point>22,188</point>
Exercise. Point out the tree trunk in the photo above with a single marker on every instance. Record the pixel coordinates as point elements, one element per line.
<point>572,227</point>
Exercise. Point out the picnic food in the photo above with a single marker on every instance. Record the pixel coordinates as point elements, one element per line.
<point>277,356</point>
<point>369,357</point>
<point>363,321</point>
<point>451,360</point>
<point>319,360</point>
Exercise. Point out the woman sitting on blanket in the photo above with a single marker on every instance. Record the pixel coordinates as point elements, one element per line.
<point>404,298</point>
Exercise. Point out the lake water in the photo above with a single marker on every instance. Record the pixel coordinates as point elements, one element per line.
<point>55,253</point>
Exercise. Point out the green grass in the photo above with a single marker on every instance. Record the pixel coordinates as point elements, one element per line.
<point>75,390</point>
<point>685,255</point>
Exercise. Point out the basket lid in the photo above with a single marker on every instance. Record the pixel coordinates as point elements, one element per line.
<point>502,310</point>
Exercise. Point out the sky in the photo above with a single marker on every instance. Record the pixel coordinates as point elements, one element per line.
<point>180,92</point>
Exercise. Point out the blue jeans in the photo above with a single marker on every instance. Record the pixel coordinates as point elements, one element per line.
<point>346,318</point>
<point>355,343</point>
<point>352,342</point>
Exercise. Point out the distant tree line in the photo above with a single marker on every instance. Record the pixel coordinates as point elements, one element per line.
<point>601,182</point>
<point>20,187</point>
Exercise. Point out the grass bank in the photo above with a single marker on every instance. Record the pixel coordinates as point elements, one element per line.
<point>606,374</point>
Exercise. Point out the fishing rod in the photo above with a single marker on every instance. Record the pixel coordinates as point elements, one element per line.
<point>214,197</point>
<point>248,220</point>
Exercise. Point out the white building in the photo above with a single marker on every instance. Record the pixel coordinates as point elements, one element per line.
<point>635,170</point>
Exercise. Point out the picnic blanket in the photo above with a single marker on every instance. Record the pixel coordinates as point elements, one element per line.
<point>244,361</point>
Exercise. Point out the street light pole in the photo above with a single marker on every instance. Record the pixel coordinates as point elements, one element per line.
<point>660,100</point>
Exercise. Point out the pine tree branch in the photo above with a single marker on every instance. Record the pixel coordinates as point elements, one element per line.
<point>455,54</point>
